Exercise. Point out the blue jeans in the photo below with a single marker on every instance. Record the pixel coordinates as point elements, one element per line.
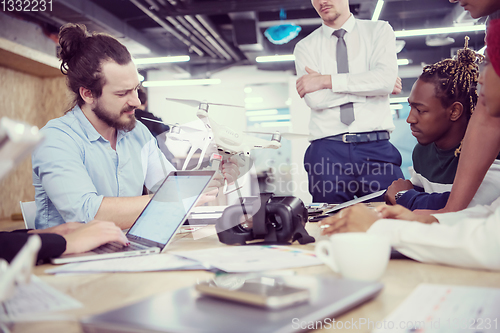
<point>339,172</point>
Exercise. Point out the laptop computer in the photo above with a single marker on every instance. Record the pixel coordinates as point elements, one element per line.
<point>158,222</point>
<point>185,310</point>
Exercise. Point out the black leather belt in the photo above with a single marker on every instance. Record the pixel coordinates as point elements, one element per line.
<point>360,137</point>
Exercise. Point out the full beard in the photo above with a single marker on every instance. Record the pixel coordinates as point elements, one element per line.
<point>115,120</point>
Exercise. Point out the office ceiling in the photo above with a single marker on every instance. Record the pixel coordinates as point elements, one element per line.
<point>221,33</point>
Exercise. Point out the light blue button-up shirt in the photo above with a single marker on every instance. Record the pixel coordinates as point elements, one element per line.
<point>75,168</point>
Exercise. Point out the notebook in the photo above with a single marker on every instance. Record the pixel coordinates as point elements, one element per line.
<point>355,201</point>
<point>159,221</point>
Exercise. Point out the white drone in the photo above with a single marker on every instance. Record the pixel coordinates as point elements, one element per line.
<point>228,142</point>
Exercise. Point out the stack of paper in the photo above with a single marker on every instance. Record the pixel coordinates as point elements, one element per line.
<point>150,263</point>
<point>252,258</point>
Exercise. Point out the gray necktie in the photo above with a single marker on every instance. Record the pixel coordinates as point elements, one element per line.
<point>346,110</point>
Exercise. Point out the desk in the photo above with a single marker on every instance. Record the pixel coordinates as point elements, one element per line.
<point>103,292</point>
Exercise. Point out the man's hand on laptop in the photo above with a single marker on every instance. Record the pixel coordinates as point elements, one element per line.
<point>93,234</point>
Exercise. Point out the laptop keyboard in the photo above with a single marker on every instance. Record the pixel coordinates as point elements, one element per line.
<point>117,247</point>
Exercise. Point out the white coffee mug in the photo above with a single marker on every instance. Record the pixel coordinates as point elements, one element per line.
<point>356,255</point>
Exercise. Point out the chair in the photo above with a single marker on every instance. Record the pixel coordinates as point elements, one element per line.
<point>28,209</point>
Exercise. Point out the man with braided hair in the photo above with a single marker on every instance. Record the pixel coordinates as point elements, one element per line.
<point>469,238</point>
<point>442,101</point>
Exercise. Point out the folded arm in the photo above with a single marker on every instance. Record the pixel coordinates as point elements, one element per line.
<point>326,90</point>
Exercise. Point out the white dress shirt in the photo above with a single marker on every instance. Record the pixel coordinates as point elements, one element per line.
<point>469,238</point>
<point>371,49</point>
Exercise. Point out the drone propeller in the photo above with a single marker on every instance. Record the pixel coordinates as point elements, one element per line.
<point>184,127</point>
<point>195,103</point>
<point>283,135</point>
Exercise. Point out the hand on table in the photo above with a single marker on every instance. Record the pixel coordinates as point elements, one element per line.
<point>401,213</point>
<point>397,186</point>
<point>357,218</point>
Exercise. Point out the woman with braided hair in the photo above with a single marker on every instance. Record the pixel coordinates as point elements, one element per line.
<point>442,101</point>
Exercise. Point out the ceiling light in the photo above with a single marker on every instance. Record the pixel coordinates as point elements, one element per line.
<point>176,83</point>
<point>141,78</point>
<point>481,51</point>
<point>378,10</point>
<point>276,124</point>
<point>270,118</point>
<point>403,62</point>
<point>398,100</point>
<point>161,60</point>
<point>261,112</point>
<point>284,57</point>
<point>254,100</point>
<point>438,31</point>
<point>396,106</point>
<point>247,90</point>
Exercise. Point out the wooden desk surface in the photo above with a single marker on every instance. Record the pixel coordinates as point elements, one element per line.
<point>103,292</point>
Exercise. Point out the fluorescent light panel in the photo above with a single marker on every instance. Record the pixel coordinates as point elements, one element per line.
<point>403,62</point>
<point>262,112</point>
<point>161,60</point>
<point>276,124</point>
<point>291,57</point>
<point>270,118</point>
<point>398,100</point>
<point>378,10</point>
<point>438,31</point>
<point>274,58</point>
<point>177,83</point>
<point>396,106</point>
<point>254,100</point>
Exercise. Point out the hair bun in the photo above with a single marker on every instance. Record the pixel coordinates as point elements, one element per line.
<point>466,56</point>
<point>71,39</point>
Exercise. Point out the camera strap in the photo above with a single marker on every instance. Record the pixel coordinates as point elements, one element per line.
<point>301,235</point>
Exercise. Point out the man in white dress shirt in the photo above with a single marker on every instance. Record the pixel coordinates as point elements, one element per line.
<point>347,69</point>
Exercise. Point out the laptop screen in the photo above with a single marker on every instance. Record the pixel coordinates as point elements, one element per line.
<point>170,206</point>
